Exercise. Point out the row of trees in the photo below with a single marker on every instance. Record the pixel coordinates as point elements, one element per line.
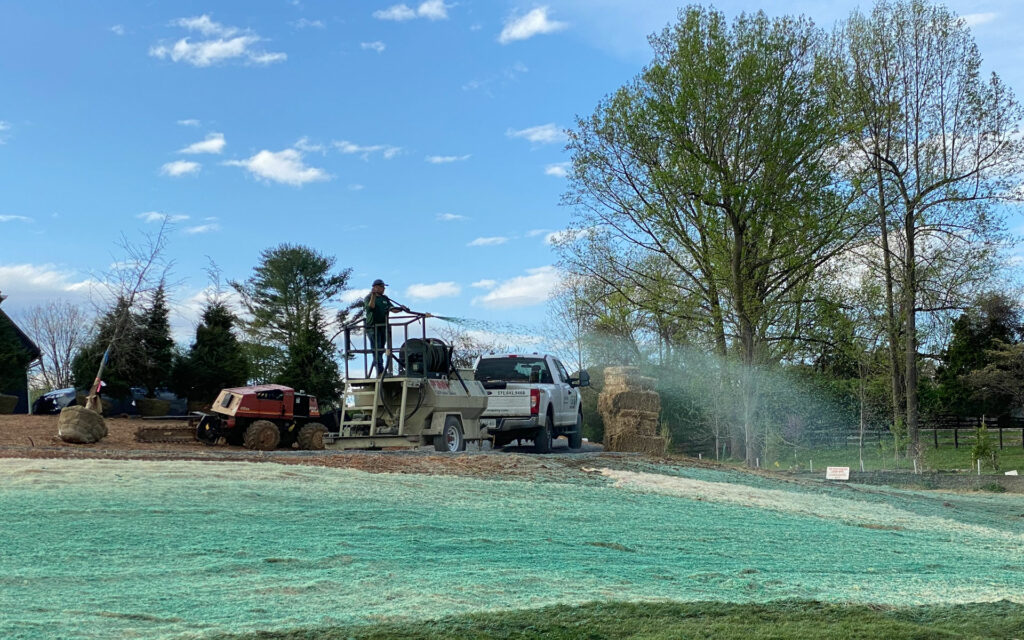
<point>782,196</point>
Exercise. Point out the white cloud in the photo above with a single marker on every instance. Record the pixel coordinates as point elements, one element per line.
<point>13,218</point>
<point>488,242</point>
<point>975,19</point>
<point>541,134</point>
<point>303,144</point>
<point>432,291</point>
<point>447,159</point>
<point>349,296</point>
<point>191,122</point>
<point>533,23</point>
<point>522,291</point>
<point>285,166</point>
<point>117,29</point>
<point>566,235</point>
<point>214,143</point>
<point>355,187</point>
<point>303,23</point>
<point>533,233</point>
<point>31,284</point>
<point>180,168</point>
<point>347,147</point>
<point>485,284</point>
<point>558,169</point>
<point>376,45</point>
<point>431,10</point>
<point>203,228</point>
<point>225,43</point>
<point>4,126</point>
<point>157,216</point>
<point>450,217</point>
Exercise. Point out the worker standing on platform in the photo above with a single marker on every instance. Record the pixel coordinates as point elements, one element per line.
<point>376,307</point>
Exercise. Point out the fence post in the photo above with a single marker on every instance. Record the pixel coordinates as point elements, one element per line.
<point>956,439</point>
<point>1000,438</point>
<point>935,436</point>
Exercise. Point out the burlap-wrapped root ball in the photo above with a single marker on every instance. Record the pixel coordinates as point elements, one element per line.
<point>79,425</point>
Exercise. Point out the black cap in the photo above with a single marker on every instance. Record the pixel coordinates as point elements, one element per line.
<point>378,281</point>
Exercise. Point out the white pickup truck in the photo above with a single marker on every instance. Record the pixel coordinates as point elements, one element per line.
<point>531,397</point>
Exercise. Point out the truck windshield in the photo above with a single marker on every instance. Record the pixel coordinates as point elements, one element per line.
<point>513,370</point>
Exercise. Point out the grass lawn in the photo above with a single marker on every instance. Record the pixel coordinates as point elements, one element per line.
<point>879,456</point>
<point>720,621</point>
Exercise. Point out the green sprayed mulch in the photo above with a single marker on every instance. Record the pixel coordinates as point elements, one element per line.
<point>130,549</point>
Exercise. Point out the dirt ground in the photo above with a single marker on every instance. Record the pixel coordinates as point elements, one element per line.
<point>26,436</point>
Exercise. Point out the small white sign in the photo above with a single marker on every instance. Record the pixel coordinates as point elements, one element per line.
<point>837,473</point>
<point>1011,473</point>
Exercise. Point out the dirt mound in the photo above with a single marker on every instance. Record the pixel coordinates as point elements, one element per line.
<point>79,425</point>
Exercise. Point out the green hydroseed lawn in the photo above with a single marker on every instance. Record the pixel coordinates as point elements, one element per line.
<point>130,549</point>
<point>945,458</point>
<point>788,620</point>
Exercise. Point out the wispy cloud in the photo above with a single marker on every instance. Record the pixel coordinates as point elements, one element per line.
<point>365,151</point>
<point>223,43</point>
<point>203,228</point>
<point>117,29</point>
<point>564,236</point>
<point>158,216</point>
<point>533,233</point>
<point>355,187</point>
<point>485,284</point>
<point>285,166</point>
<point>522,291</point>
<point>376,45</point>
<point>190,122</point>
<point>488,242</point>
<point>214,143</point>
<point>13,218</point>
<point>533,23</point>
<point>180,168</point>
<point>4,126</point>
<point>508,74</point>
<point>305,23</point>
<point>30,284</point>
<point>446,159</point>
<point>975,19</point>
<point>431,10</point>
<point>304,144</point>
<point>558,169</point>
<point>450,217</point>
<point>541,134</point>
<point>432,291</point>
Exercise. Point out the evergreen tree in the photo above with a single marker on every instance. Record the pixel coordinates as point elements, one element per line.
<point>123,370</point>
<point>285,299</point>
<point>157,345</point>
<point>216,359</point>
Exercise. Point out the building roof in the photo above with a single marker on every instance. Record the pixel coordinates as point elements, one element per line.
<point>22,336</point>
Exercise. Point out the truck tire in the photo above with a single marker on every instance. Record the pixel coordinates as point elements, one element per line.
<point>450,439</point>
<point>311,436</point>
<point>576,437</point>
<point>262,435</point>
<point>542,439</point>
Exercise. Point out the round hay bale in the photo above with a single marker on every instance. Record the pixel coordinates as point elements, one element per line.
<point>79,425</point>
<point>7,403</point>
<point>152,407</point>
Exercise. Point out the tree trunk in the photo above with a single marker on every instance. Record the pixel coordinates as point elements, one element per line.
<point>910,302</point>
<point>892,325</point>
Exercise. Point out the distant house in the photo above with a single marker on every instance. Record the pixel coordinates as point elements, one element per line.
<point>18,380</point>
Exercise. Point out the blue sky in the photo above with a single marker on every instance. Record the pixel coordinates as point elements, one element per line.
<point>420,143</point>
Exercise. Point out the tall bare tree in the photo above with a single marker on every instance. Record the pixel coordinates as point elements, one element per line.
<point>59,329</point>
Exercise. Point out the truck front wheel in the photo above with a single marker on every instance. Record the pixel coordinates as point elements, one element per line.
<point>311,436</point>
<point>262,435</point>
<point>542,441</point>
<point>576,437</point>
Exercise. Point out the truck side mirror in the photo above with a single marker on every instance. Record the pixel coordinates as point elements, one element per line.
<point>581,379</point>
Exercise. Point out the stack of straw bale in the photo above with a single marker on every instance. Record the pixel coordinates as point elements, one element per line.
<point>630,408</point>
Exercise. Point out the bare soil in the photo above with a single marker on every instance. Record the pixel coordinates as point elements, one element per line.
<point>27,436</point>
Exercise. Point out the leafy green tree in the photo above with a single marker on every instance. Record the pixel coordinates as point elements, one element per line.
<point>943,144</point>
<point>285,300</point>
<point>215,360</point>
<point>721,159</point>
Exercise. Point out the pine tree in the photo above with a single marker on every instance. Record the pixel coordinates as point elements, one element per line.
<point>157,344</point>
<point>216,359</point>
<point>123,370</point>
